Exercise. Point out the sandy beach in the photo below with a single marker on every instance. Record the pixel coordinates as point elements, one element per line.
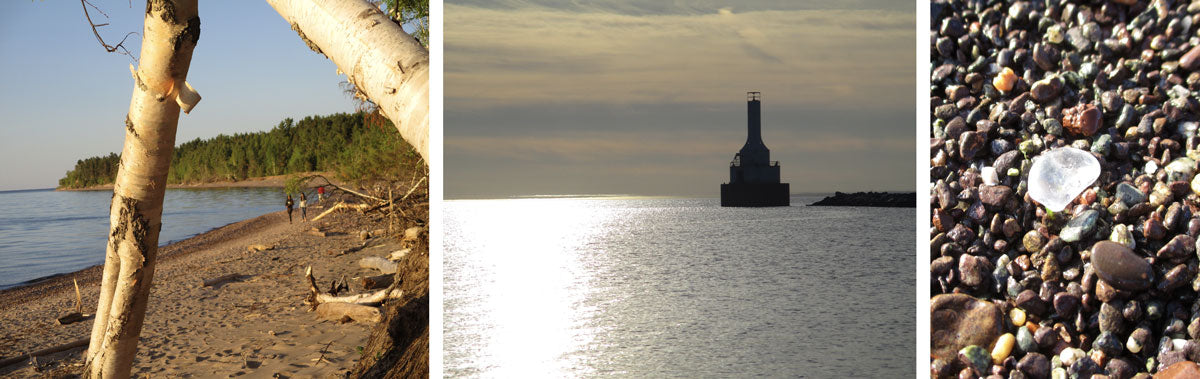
<point>256,326</point>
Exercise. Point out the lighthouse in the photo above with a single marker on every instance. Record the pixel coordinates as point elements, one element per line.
<point>753,177</point>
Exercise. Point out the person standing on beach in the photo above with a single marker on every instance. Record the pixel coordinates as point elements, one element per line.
<point>320,193</point>
<point>289,207</point>
<point>303,206</point>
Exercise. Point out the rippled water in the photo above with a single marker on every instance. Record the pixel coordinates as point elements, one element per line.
<point>676,287</point>
<point>44,232</point>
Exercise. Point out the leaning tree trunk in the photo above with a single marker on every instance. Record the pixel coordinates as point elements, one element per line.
<point>390,67</point>
<point>171,30</point>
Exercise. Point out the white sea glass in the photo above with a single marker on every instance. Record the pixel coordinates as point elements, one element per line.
<point>1060,175</point>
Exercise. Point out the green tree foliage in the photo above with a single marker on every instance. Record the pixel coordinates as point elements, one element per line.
<point>342,143</point>
<point>92,171</point>
<point>411,13</point>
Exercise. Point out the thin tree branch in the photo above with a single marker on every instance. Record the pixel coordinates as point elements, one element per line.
<point>110,48</point>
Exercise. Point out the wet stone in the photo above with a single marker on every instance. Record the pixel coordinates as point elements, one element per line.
<point>970,143</point>
<point>1034,365</point>
<point>959,320</point>
<point>1025,340</point>
<point>1045,338</point>
<point>1108,343</point>
<point>1180,370</point>
<point>995,196</point>
<point>1118,266</point>
<point>941,266</point>
<point>1065,303</point>
<point>1191,60</point>
<point>1181,246</point>
<point>1082,225</point>
<point>1083,368</point>
<point>1120,369</point>
<point>1030,302</point>
<point>1129,194</point>
<point>1006,161</point>
<point>1111,319</point>
<point>1153,229</point>
<point>1122,235</point>
<point>974,270</point>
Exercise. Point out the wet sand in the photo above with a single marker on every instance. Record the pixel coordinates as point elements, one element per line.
<point>256,326</point>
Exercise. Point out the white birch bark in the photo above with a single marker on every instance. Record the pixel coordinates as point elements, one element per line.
<point>170,33</point>
<point>382,61</point>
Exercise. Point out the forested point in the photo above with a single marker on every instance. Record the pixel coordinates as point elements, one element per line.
<point>356,147</point>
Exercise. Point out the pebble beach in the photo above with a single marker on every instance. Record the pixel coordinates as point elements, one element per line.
<point>1041,267</point>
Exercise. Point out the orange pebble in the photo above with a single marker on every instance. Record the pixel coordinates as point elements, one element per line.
<point>1005,79</point>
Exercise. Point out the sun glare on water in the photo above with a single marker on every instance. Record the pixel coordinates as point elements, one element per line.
<point>527,260</point>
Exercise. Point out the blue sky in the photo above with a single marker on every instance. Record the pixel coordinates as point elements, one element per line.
<point>63,98</point>
<point>647,97</point>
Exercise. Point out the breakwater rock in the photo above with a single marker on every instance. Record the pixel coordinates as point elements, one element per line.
<point>870,199</point>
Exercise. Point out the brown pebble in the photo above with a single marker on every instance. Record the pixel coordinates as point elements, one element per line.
<point>959,320</point>
<point>1191,60</point>
<point>1118,266</point>
<point>1185,369</point>
<point>1083,119</point>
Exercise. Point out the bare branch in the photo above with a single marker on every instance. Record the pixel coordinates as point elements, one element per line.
<point>110,48</point>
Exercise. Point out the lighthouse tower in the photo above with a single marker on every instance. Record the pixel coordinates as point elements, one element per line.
<point>753,177</point>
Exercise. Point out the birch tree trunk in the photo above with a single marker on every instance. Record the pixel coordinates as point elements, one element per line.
<point>382,61</point>
<point>169,36</point>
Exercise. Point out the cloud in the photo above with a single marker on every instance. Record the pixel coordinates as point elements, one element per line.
<point>538,53</point>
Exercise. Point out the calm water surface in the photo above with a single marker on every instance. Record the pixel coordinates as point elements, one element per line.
<point>44,232</point>
<point>676,288</point>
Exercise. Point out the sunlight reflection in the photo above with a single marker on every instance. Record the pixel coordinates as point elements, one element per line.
<point>530,269</point>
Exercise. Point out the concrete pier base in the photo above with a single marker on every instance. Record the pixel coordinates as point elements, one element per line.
<point>755,195</point>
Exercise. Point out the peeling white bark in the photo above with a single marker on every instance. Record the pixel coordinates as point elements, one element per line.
<point>171,31</point>
<point>386,64</point>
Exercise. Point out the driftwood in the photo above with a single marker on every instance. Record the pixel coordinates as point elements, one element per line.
<point>330,307</point>
<point>377,282</point>
<point>341,205</point>
<point>372,298</point>
<point>412,233</point>
<point>398,254</point>
<point>337,187</point>
<point>222,279</point>
<point>71,318</point>
<point>258,247</point>
<point>77,315</point>
<point>394,200</point>
<point>342,311</point>
<point>383,265</point>
<point>317,232</point>
<point>51,350</point>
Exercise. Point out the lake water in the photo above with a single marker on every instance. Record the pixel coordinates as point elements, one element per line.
<point>44,232</point>
<point>676,288</point>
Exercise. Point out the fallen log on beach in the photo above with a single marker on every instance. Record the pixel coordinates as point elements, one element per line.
<point>341,205</point>
<point>50,350</point>
<point>373,298</point>
<point>383,265</point>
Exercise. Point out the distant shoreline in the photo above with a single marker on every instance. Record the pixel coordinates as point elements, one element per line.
<point>276,181</point>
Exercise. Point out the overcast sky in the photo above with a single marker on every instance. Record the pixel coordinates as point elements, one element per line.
<point>648,97</point>
<point>63,98</point>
